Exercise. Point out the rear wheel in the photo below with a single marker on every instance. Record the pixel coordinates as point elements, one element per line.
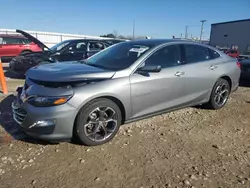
<point>98,122</point>
<point>219,95</point>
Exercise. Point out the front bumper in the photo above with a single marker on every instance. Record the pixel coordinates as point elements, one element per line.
<point>47,123</point>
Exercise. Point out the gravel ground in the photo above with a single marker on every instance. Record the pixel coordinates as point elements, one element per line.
<point>187,148</point>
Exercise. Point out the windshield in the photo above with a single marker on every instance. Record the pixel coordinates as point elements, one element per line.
<point>118,57</point>
<point>59,46</point>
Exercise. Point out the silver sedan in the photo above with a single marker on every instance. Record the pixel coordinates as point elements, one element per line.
<point>90,99</point>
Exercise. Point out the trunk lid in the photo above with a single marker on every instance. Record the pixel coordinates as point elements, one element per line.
<point>33,39</point>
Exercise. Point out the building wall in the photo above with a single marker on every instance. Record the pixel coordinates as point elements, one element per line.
<point>230,34</point>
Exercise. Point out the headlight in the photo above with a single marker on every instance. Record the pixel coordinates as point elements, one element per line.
<point>42,101</point>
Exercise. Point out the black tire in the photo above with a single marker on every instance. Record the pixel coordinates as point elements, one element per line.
<point>83,117</point>
<point>212,104</point>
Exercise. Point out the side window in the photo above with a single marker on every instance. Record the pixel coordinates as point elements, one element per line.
<point>24,41</point>
<point>79,46</point>
<point>168,56</point>
<point>11,41</point>
<point>196,53</point>
<point>96,46</point>
<point>1,40</point>
<point>214,54</point>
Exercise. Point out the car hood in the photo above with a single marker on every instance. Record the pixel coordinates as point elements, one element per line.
<point>33,39</point>
<point>67,72</point>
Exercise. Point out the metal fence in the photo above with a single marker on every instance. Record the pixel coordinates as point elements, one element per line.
<point>50,38</point>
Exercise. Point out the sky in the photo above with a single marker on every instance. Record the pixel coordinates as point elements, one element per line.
<point>156,18</point>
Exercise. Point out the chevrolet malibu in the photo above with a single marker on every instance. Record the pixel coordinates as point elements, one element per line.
<point>90,99</point>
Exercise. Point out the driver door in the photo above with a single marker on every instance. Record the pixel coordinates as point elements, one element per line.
<point>153,92</point>
<point>73,52</point>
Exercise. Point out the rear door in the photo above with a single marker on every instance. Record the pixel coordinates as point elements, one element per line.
<point>154,92</point>
<point>201,71</point>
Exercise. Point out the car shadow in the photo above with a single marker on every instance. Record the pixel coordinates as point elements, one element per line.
<point>11,127</point>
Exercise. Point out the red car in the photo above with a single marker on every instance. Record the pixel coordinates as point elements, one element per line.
<point>233,53</point>
<point>15,45</point>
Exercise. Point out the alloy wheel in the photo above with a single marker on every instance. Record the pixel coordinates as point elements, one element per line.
<point>221,94</point>
<point>101,124</point>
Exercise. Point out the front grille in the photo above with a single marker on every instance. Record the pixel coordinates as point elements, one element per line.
<point>19,114</point>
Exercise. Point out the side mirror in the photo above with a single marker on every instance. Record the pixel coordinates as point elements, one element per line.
<point>150,68</point>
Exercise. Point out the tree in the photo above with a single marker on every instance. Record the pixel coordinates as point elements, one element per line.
<point>110,35</point>
<point>115,33</point>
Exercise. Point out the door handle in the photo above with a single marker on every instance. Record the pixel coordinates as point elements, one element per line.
<point>213,67</point>
<point>179,73</point>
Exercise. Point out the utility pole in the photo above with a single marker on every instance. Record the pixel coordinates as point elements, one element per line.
<point>134,30</point>
<point>186,32</point>
<point>202,23</point>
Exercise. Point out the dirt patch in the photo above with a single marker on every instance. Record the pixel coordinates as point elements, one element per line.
<point>186,148</point>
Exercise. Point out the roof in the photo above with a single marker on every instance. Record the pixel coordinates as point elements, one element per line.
<point>12,35</point>
<point>155,42</point>
<point>245,20</point>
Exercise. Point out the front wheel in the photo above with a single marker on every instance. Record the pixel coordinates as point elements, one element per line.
<point>219,95</point>
<point>98,122</point>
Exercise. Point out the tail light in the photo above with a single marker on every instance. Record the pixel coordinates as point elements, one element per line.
<point>238,64</point>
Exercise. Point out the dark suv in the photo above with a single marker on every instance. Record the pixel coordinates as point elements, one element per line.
<point>68,50</point>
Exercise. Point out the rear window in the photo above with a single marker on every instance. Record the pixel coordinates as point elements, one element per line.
<point>196,53</point>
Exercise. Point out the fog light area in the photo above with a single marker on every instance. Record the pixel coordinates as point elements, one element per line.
<point>43,123</point>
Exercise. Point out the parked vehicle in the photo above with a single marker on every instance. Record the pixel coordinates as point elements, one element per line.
<point>113,41</point>
<point>233,53</point>
<point>68,50</point>
<point>245,68</point>
<point>14,45</point>
<point>223,49</point>
<point>90,99</point>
